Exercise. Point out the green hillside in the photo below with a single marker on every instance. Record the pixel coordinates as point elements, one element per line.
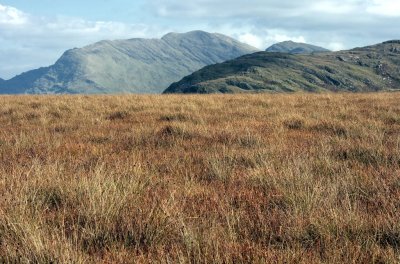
<point>372,68</point>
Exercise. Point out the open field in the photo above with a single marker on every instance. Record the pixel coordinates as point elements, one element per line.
<point>297,178</point>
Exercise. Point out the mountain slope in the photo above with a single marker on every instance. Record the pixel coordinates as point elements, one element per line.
<point>371,68</point>
<point>134,65</point>
<point>295,48</point>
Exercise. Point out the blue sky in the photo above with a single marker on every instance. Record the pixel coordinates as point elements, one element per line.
<point>36,33</point>
<point>100,10</point>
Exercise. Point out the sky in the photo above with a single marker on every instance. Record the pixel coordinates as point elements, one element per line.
<point>36,33</point>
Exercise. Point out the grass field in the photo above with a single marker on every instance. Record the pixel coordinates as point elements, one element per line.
<point>294,178</point>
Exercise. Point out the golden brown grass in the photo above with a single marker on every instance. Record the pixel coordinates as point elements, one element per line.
<point>200,179</point>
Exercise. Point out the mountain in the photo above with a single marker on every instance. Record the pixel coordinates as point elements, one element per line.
<point>373,68</point>
<point>128,66</point>
<point>295,48</point>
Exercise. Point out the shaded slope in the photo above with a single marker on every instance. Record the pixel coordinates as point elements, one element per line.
<point>133,66</point>
<point>295,48</point>
<point>373,68</point>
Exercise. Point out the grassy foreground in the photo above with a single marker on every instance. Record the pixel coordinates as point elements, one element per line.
<point>201,179</point>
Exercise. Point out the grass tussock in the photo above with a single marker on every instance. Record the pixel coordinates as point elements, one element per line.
<point>208,179</point>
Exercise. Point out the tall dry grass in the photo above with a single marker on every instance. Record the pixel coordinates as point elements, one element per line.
<point>200,179</point>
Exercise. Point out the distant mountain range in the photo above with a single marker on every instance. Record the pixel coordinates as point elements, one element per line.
<point>372,68</point>
<point>128,66</point>
<point>295,48</point>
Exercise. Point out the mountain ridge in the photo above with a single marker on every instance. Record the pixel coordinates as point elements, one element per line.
<point>371,68</point>
<point>128,66</point>
<point>295,48</point>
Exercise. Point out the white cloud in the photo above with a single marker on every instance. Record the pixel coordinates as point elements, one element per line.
<point>230,8</point>
<point>12,16</point>
<point>335,46</point>
<point>333,7</point>
<point>251,39</point>
<point>260,38</point>
<point>385,7</point>
<point>274,8</point>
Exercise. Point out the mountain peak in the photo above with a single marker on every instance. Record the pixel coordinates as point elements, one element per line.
<point>292,47</point>
<point>394,41</point>
<point>187,34</point>
<point>132,65</point>
<point>199,39</point>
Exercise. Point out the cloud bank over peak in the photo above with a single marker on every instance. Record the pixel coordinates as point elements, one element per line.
<point>335,24</point>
